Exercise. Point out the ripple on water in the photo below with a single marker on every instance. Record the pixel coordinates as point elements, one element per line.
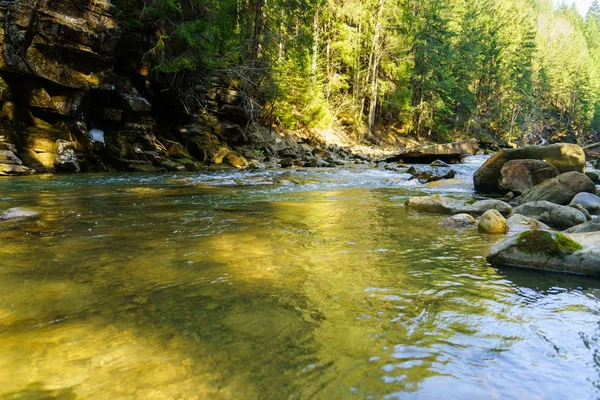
<point>303,284</point>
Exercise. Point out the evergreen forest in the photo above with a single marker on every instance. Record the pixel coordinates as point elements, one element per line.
<point>498,70</point>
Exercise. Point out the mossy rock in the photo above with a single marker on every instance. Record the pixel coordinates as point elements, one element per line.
<point>577,253</point>
<point>544,242</point>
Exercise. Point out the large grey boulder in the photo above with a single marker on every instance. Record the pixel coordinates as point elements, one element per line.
<point>589,201</point>
<point>564,157</point>
<point>437,204</point>
<point>557,216</point>
<point>560,190</point>
<point>482,206</point>
<point>551,251</point>
<point>518,176</point>
<point>444,205</point>
<point>445,152</point>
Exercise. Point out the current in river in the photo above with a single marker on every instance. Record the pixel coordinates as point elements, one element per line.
<point>305,284</point>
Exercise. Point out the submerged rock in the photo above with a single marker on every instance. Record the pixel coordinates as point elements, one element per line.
<point>564,157</point>
<point>560,190</point>
<point>555,215</point>
<point>459,221</point>
<point>17,212</point>
<point>493,222</point>
<point>536,249</point>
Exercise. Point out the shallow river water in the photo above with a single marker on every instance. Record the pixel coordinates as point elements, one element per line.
<point>275,285</point>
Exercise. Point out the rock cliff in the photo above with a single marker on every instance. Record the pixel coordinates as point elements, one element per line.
<point>74,96</point>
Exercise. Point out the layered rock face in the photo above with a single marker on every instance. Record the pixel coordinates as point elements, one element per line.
<point>56,73</point>
<point>71,43</point>
<point>69,101</point>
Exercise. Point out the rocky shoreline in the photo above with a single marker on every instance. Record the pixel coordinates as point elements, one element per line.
<point>550,209</point>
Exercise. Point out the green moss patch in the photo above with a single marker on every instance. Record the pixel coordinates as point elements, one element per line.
<point>543,242</point>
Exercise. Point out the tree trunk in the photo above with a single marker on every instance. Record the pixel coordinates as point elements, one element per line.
<point>315,49</point>
<point>371,78</point>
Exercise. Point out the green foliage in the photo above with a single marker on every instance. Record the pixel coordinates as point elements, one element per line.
<point>544,242</point>
<point>496,69</point>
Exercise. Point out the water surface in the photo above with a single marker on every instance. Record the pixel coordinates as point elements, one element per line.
<point>275,285</point>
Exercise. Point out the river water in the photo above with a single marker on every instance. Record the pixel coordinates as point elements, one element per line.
<point>275,285</point>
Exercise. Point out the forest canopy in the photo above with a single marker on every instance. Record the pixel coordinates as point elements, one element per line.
<point>494,69</point>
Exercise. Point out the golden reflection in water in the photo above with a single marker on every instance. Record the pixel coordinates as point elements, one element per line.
<point>159,294</point>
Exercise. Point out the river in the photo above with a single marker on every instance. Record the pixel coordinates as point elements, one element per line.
<point>307,284</point>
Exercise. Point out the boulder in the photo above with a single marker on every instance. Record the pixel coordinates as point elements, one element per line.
<point>286,162</point>
<point>556,216</point>
<point>590,226</point>
<point>444,205</point>
<point>564,157</point>
<point>39,98</point>
<point>560,190</point>
<point>482,206</point>
<point>8,157</point>
<point>518,176</point>
<point>551,251</point>
<point>8,169</point>
<point>589,201</point>
<point>236,161</point>
<point>69,104</point>
<point>582,209</point>
<point>17,212</point>
<point>594,176</point>
<point>439,163</point>
<point>437,204</point>
<point>66,157</point>
<point>447,152</point>
<point>431,174</point>
<point>493,222</point>
<point>459,221</point>
<point>519,223</point>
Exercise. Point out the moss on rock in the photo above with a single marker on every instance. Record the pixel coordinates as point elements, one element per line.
<point>544,242</point>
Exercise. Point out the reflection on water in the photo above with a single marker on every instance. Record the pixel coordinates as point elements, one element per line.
<point>273,286</point>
